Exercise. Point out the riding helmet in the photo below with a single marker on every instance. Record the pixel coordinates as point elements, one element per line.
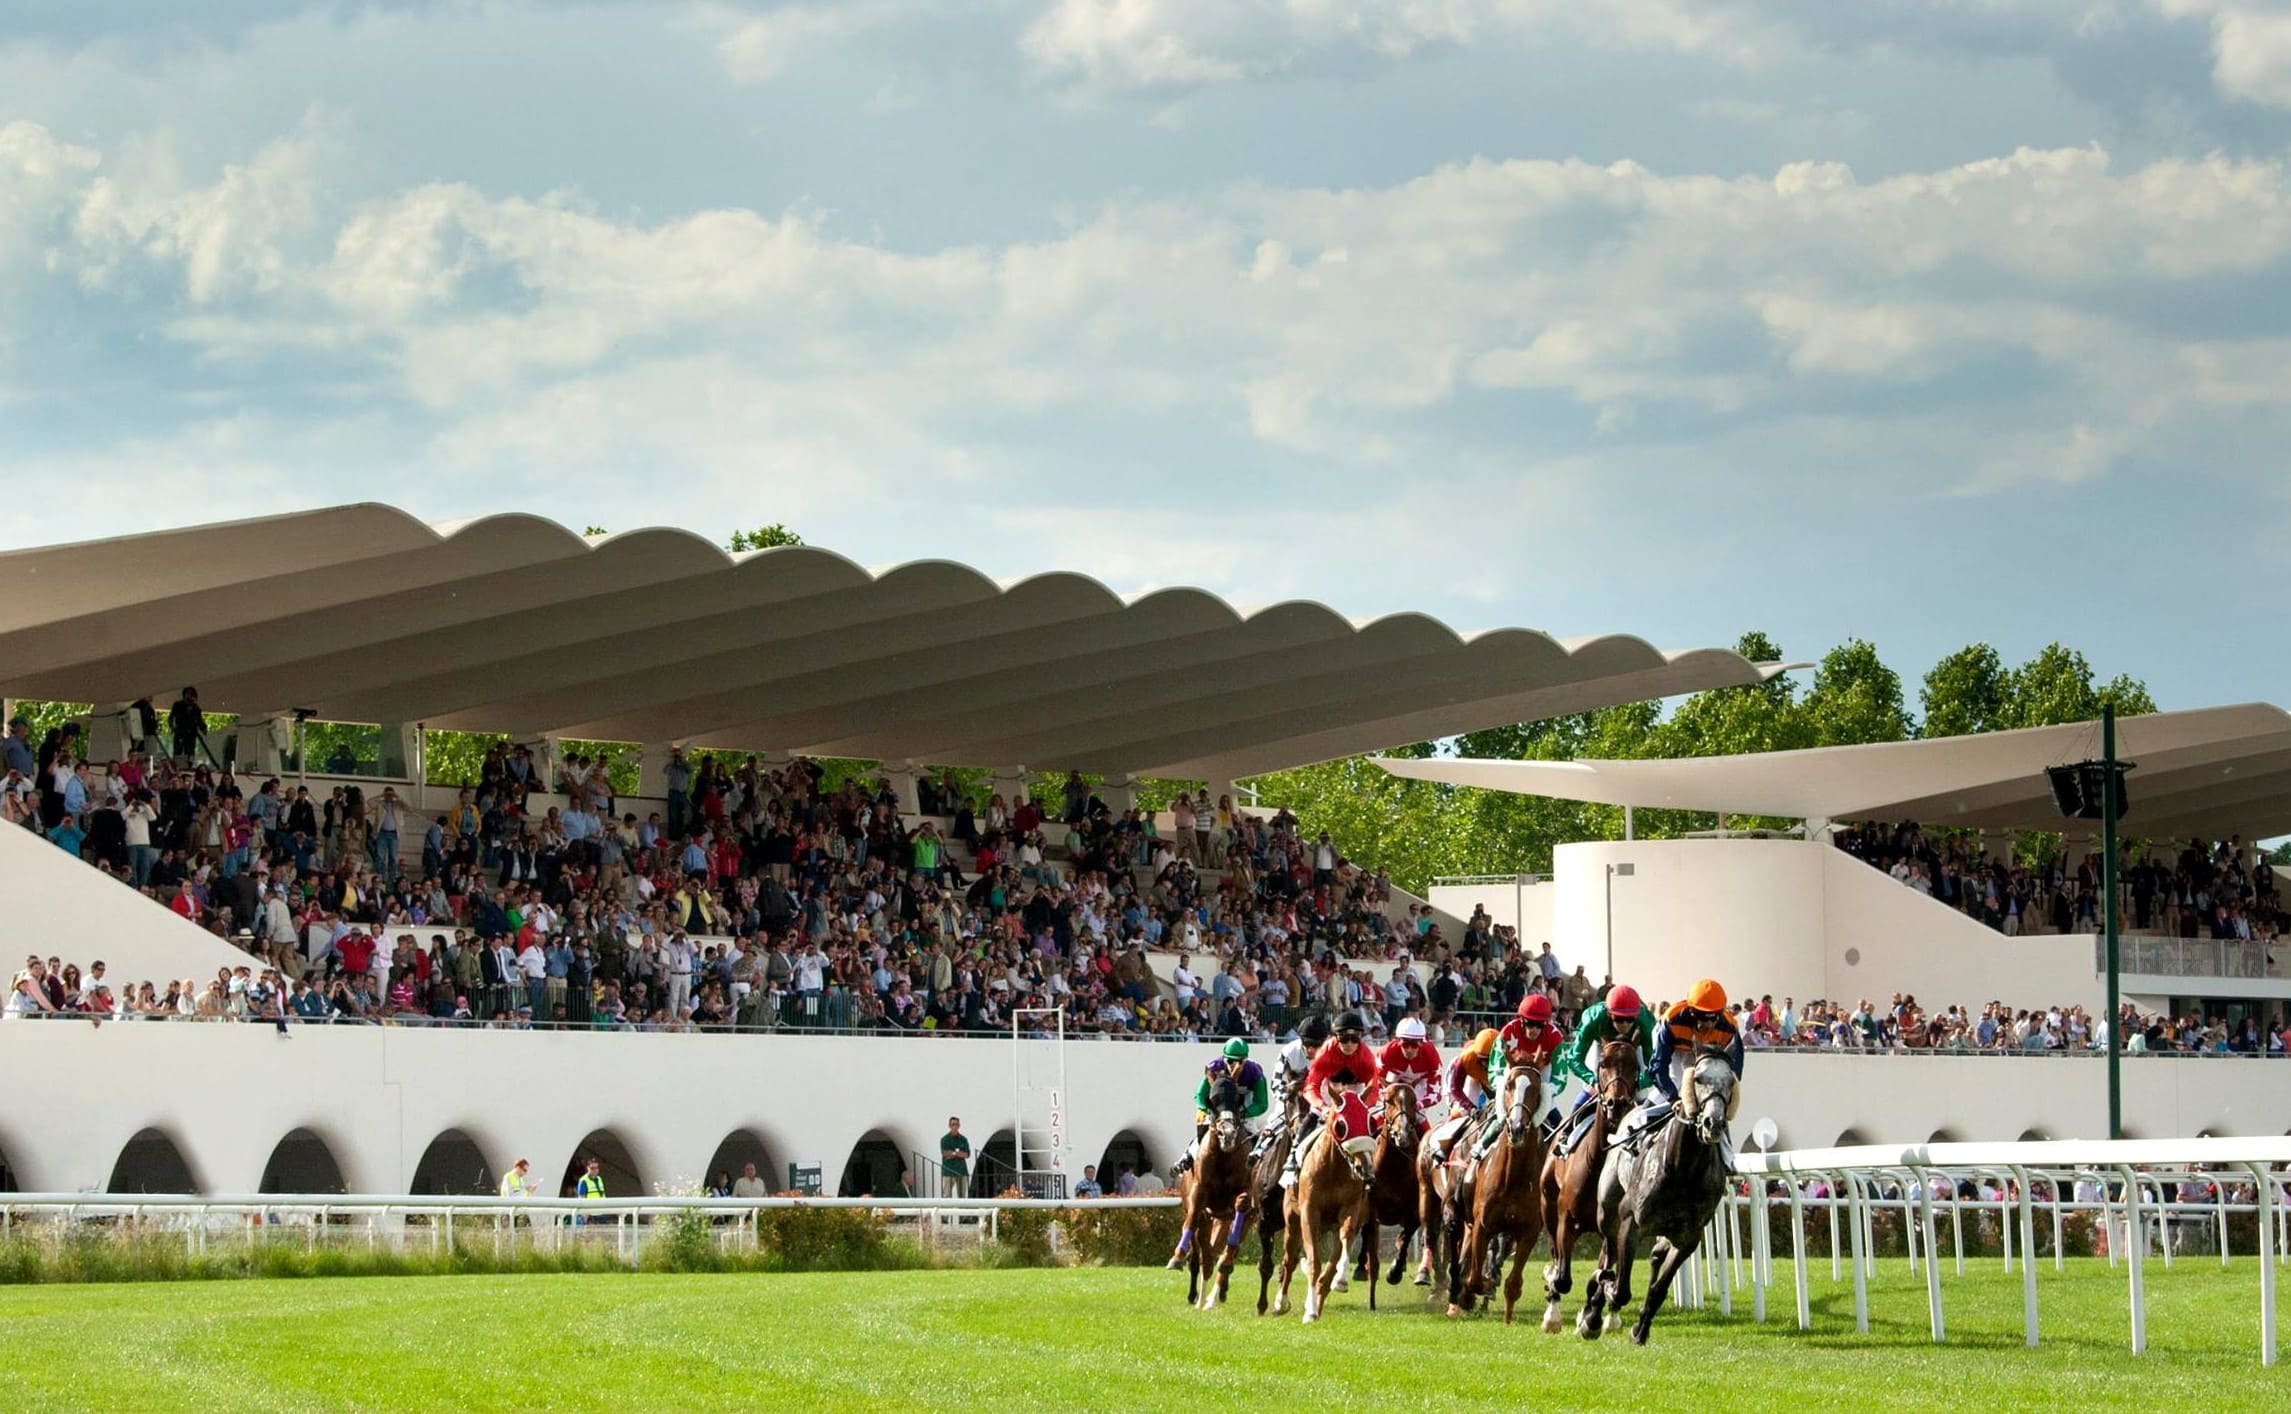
<point>1535,1006</point>
<point>1315,1029</point>
<point>1706,996</point>
<point>1237,1049</point>
<point>1411,1028</point>
<point>1622,1003</point>
<point>1352,1024</point>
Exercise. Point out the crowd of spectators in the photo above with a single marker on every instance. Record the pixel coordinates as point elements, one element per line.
<point>760,895</point>
<point>2213,890</point>
<point>1903,1024</point>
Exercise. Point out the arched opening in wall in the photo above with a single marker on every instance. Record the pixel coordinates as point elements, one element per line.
<point>8,1183</point>
<point>874,1168</point>
<point>150,1163</point>
<point>614,1166</point>
<point>741,1148</point>
<point>302,1164</point>
<point>1942,1136</point>
<point>1126,1148</point>
<point>2034,1136</point>
<point>2213,1132</point>
<point>994,1169</point>
<point>453,1164</point>
<point>1849,1138</point>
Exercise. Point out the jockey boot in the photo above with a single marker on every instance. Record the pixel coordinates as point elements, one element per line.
<point>1182,1167</point>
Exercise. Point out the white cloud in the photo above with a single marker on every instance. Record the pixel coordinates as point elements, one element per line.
<point>758,45</point>
<point>1143,44</point>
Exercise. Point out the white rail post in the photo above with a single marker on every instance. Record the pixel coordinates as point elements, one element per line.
<point>1860,1266</point>
<point>1734,1206</point>
<point>1957,1224</point>
<point>2264,1194</point>
<point>1720,1275</point>
<point>2136,1237</point>
<point>1837,1262</point>
<point>2028,1258</point>
<point>2059,1240</point>
<point>1798,1256</point>
<point>1761,1240</point>
<point>2163,1228</point>
<point>2004,1229</point>
<point>2219,1203</point>
<point>1932,1270</point>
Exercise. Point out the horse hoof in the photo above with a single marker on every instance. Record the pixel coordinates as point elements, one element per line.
<point>1175,1264</point>
<point>1553,1323</point>
<point>1280,1308</point>
<point>1423,1278</point>
<point>1639,1335</point>
<point>1507,1317</point>
<point>1615,1322</point>
<point>1341,1284</point>
<point>1454,1310</point>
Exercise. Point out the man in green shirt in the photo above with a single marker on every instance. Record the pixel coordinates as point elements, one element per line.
<point>954,1160</point>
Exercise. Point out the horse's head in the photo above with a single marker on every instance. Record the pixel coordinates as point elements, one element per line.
<point>1400,1115</point>
<point>1618,1078</point>
<point>1708,1098</point>
<point>1522,1093</point>
<point>1226,1134</point>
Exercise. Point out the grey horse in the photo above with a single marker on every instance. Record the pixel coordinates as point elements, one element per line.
<point>1664,1175</point>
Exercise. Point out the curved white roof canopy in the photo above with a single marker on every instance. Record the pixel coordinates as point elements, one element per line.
<point>513,624</point>
<point>2210,773</point>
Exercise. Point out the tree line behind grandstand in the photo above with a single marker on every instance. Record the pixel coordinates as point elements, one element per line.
<point>1415,831</point>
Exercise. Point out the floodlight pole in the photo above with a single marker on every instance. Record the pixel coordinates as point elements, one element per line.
<point>2109,793</point>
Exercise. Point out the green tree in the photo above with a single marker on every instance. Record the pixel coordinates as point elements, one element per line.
<point>591,532</point>
<point>762,538</point>
<point>1855,699</point>
<point>1966,692</point>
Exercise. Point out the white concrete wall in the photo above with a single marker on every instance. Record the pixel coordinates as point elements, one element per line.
<point>57,906</point>
<point>1795,918</point>
<point>1527,907</point>
<point>226,1094</point>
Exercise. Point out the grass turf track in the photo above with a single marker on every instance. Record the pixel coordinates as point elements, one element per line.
<point>1057,1339</point>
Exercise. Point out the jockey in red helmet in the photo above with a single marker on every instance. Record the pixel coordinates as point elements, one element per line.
<point>1620,1016</point>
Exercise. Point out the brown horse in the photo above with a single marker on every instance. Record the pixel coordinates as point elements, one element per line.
<point>1393,1194</point>
<point>1505,1196</point>
<point>1215,1209</point>
<point>1331,1199</point>
<point>1272,1198</point>
<point>1571,1182</point>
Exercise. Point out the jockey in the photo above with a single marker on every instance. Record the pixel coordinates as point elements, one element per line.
<point>1699,1021</point>
<point>1234,1067</point>
<point>1467,1090</point>
<point>1620,1017</point>
<point>1415,1062</point>
<point>1296,1059</point>
<point>1528,1039</point>
<point>1345,1060</point>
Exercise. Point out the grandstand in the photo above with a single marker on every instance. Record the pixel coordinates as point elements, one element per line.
<point>764,950</point>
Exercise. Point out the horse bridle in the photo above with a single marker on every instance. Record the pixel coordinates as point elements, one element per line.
<point>1519,1113</point>
<point>1620,1092</point>
<point>1402,1113</point>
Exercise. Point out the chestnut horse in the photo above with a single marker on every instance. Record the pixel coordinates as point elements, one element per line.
<point>1506,1197</point>
<point>1393,1194</point>
<point>1330,1199</point>
<point>1571,1181</point>
<point>1216,1205</point>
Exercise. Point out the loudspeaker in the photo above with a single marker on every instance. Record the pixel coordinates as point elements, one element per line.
<point>2068,791</point>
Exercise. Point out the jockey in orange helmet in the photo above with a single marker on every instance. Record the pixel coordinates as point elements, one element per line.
<point>1690,1025</point>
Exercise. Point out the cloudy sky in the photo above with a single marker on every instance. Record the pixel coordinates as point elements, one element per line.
<point>1923,322</point>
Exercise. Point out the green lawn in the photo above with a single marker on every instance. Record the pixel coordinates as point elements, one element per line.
<point>1050,1340</point>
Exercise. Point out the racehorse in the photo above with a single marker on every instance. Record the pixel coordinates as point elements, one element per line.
<point>1571,1181</point>
<point>1505,1197</point>
<point>1272,1199</point>
<point>1216,1201</point>
<point>1331,1198</point>
<point>1667,1183</point>
<point>1393,1194</point>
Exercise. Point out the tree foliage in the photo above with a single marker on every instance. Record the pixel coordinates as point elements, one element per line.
<point>762,538</point>
<point>1417,831</point>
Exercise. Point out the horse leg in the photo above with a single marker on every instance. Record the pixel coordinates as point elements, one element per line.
<point>1664,1266</point>
<point>1323,1273</point>
<point>1464,1281</point>
<point>1239,1228</point>
<point>1400,1252</point>
<point>1559,1273</point>
<point>1344,1251</point>
<point>1614,1250</point>
<point>1205,1256</point>
<point>1517,1279</point>
<point>1621,1296</point>
<point>1292,1248</point>
<point>1265,1255</point>
<point>1370,1250</point>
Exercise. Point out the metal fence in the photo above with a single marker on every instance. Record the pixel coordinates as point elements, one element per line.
<point>405,1223</point>
<point>2123,1181</point>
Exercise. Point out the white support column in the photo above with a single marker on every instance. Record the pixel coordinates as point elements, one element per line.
<point>1010,784</point>
<point>264,742</point>
<point>110,732</point>
<point>547,756</point>
<point>652,769</point>
<point>903,781</point>
<point>1120,793</point>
